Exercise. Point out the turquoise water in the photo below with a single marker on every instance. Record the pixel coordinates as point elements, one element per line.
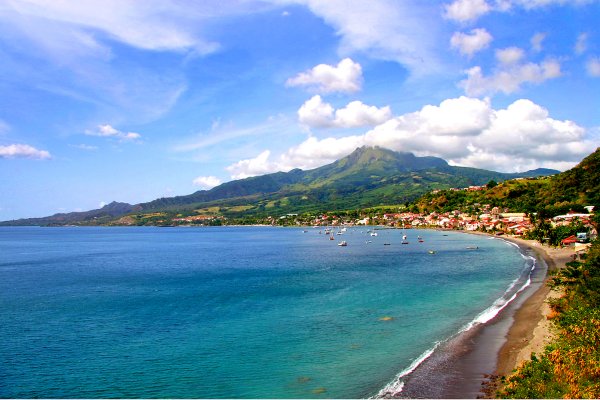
<point>234,312</point>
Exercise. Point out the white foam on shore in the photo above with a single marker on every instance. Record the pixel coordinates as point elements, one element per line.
<point>499,304</point>
<point>397,385</point>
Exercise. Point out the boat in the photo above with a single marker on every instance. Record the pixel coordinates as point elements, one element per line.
<point>404,241</point>
<point>342,243</point>
<point>387,244</point>
<point>331,237</point>
<point>472,247</point>
<point>420,239</point>
<point>373,233</point>
<point>431,251</point>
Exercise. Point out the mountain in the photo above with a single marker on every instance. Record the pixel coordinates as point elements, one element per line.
<point>370,176</point>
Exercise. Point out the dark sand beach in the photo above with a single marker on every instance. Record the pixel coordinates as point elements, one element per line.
<point>462,366</point>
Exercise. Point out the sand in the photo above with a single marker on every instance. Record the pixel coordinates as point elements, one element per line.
<point>531,331</point>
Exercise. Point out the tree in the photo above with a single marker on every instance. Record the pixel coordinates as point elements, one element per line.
<point>491,184</point>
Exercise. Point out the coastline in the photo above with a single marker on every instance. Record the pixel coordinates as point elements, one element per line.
<point>467,366</point>
<point>531,330</point>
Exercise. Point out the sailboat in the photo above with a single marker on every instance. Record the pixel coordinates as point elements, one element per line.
<point>404,241</point>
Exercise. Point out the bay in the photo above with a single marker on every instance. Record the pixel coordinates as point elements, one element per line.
<point>234,312</point>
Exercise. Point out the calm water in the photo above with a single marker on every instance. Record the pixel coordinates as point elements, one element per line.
<point>234,312</point>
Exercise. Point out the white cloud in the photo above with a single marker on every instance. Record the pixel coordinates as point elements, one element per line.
<point>470,44</point>
<point>581,44</point>
<point>510,55</point>
<point>593,67</point>
<point>315,113</point>
<point>207,182</point>
<point>259,165</point>
<point>466,10</point>
<point>228,132</point>
<point>509,78</point>
<point>536,41</point>
<point>464,131</point>
<point>157,26</point>
<point>391,30</point>
<point>346,77</point>
<point>23,151</point>
<point>109,131</point>
<point>86,147</point>
<point>529,4</point>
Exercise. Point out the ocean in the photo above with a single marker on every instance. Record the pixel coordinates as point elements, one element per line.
<point>238,312</point>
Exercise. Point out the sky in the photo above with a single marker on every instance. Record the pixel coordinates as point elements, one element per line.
<point>127,100</point>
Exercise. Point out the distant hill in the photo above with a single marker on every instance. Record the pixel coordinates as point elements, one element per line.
<point>370,176</point>
<point>98,216</point>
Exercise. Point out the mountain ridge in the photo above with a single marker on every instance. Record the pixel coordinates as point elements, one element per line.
<point>368,176</point>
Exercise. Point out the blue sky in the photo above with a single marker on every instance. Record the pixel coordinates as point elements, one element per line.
<point>132,100</point>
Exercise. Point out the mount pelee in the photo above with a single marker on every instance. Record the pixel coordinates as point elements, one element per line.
<point>368,177</point>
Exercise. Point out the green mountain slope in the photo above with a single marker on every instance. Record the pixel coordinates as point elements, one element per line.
<point>569,190</point>
<point>368,177</point>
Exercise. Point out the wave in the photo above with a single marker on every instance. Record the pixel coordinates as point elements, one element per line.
<point>397,385</point>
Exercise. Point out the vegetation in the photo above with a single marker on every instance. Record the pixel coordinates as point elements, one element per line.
<point>570,366</point>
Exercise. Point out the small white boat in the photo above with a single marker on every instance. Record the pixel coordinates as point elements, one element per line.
<point>373,233</point>
<point>431,251</point>
<point>343,243</point>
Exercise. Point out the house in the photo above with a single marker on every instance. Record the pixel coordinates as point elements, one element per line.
<point>569,241</point>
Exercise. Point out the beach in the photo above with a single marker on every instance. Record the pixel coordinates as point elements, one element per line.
<point>530,331</point>
<point>465,366</point>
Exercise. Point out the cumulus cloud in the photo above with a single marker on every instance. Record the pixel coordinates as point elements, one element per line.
<point>466,10</point>
<point>23,151</point>
<point>536,41</point>
<point>470,44</point>
<point>510,55</point>
<point>259,165</point>
<point>346,77</point>
<point>108,131</point>
<point>207,182</point>
<point>316,113</point>
<point>593,67</point>
<point>509,77</point>
<point>465,131</point>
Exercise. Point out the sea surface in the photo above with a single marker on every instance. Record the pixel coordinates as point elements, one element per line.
<point>237,312</point>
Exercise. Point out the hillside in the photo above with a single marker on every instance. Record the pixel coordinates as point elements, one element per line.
<point>98,216</point>
<point>558,194</point>
<point>368,177</point>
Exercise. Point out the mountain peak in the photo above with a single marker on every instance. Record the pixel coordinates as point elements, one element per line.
<point>384,158</point>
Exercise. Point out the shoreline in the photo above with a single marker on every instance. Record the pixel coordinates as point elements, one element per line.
<point>531,330</point>
<point>468,365</point>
